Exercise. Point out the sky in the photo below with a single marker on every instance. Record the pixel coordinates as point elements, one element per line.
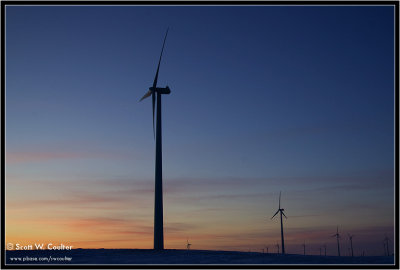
<point>297,99</point>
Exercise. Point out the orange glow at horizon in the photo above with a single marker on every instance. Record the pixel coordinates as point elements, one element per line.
<point>112,214</point>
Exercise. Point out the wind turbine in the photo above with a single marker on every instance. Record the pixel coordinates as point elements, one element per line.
<point>277,246</point>
<point>280,210</point>
<point>304,247</point>
<point>386,240</point>
<point>337,238</point>
<point>325,248</point>
<point>188,244</point>
<point>351,244</point>
<point>158,198</point>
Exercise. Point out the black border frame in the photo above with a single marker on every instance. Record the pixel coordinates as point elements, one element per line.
<point>202,266</point>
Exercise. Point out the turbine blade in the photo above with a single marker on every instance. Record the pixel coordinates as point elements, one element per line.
<point>280,199</point>
<point>146,95</point>
<point>284,214</point>
<point>159,61</point>
<point>275,214</point>
<point>153,96</point>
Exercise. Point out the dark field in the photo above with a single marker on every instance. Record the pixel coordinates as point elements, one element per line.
<point>145,256</point>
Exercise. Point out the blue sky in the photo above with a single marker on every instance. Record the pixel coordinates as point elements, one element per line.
<point>291,98</point>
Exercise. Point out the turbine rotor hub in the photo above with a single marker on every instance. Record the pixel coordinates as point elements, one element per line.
<point>161,90</point>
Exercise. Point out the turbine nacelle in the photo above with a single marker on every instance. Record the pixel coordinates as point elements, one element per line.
<point>160,90</point>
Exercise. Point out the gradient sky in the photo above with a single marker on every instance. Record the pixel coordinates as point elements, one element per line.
<point>298,99</point>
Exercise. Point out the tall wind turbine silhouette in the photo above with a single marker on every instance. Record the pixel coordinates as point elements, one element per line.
<point>158,198</point>
<point>280,210</point>
<point>337,238</point>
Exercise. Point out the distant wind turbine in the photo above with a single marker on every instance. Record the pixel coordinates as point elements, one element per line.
<point>337,238</point>
<point>158,201</point>
<point>351,244</point>
<point>386,241</point>
<point>325,248</point>
<point>304,247</point>
<point>188,244</point>
<point>277,246</point>
<point>280,210</point>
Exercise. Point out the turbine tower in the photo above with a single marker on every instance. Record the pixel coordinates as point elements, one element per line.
<point>280,210</point>
<point>351,244</point>
<point>158,198</point>
<point>304,247</point>
<point>337,238</point>
<point>386,245</point>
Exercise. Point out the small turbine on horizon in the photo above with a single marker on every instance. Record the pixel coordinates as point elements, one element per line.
<point>280,210</point>
<point>304,247</point>
<point>158,196</point>
<point>351,244</point>
<point>386,244</point>
<point>188,244</point>
<point>277,246</point>
<point>337,235</point>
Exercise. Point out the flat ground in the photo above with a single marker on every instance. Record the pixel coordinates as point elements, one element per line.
<point>173,256</point>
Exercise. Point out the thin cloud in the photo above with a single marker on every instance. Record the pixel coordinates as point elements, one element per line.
<point>304,216</point>
<point>39,156</point>
<point>177,227</point>
<point>72,200</point>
